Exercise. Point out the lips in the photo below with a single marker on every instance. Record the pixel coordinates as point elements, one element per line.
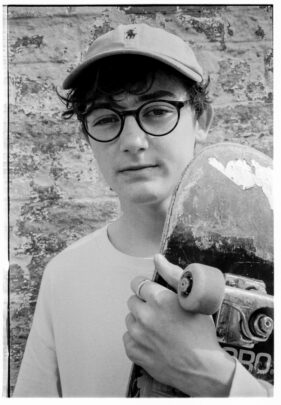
<point>133,168</point>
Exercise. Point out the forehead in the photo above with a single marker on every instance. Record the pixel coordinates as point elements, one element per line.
<point>168,81</point>
<point>164,85</point>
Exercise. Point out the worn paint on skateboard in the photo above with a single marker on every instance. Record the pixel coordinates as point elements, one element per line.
<point>221,215</point>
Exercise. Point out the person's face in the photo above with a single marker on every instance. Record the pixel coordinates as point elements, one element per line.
<point>142,168</point>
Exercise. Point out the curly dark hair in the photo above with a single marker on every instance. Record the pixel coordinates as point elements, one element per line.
<point>133,74</point>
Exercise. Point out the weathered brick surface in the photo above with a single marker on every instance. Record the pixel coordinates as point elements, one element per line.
<point>56,192</point>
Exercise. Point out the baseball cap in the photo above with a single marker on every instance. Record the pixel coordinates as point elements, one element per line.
<point>140,39</point>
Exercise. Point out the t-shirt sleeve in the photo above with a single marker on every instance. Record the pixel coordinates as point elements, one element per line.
<point>38,375</point>
<point>245,385</point>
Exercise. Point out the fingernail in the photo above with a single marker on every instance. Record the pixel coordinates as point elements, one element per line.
<point>158,258</point>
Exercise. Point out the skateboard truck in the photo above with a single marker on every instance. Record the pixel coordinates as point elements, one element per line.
<point>244,310</point>
<point>246,314</point>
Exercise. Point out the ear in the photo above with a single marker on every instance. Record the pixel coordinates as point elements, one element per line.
<point>203,124</point>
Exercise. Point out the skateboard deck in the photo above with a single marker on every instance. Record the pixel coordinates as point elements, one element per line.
<point>221,215</point>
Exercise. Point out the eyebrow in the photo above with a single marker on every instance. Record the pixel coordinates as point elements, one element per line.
<point>157,94</point>
<point>144,97</point>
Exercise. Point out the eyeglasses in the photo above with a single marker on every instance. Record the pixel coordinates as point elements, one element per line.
<point>157,118</point>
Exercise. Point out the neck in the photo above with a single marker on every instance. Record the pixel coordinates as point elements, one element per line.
<point>138,231</point>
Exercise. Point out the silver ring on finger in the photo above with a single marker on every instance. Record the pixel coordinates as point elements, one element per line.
<point>141,284</point>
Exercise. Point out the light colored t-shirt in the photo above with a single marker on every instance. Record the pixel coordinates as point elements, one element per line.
<point>75,347</point>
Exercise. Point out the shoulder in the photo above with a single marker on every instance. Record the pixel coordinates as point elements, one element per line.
<point>79,255</point>
<point>89,241</point>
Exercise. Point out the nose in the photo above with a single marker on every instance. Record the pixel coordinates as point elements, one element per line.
<point>133,139</point>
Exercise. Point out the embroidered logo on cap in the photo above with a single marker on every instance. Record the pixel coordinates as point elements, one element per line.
<point>130,34</point>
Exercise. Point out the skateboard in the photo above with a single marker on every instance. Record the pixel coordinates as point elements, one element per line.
<point>219,230</point>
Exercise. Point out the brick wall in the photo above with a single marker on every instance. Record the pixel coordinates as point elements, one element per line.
<point>56,192</point>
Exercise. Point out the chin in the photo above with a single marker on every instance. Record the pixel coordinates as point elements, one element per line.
<point>148,195</point>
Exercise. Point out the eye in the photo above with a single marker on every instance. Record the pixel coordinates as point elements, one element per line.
<point>105,120</point>
<point>102,118</point>
<point>158,110</point>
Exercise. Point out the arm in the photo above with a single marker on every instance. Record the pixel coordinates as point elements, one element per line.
<point>245,385</point>
<point>38,375</point>
<point>179,348</point>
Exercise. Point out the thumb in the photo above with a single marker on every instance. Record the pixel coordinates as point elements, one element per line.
<point>170,272</point>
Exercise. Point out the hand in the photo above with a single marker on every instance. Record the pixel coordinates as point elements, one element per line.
<point>174,346</point>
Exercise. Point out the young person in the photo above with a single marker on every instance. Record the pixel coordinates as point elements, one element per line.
<point>143,104</point>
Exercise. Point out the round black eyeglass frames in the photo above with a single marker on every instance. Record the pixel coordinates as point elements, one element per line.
<point>157,118</point>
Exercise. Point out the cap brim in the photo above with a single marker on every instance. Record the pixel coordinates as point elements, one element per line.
<point>72,78</point>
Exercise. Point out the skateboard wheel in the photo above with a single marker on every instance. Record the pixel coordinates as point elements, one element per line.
<point>201,289</point>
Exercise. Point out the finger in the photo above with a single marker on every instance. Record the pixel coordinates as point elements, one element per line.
<point>131,326</point>
<point>137,283</point>
<point>130,320</point>
<point>129,345</point>
<point>136,331</point>
<point>136,307</point>
<point>150,291</point>
<point>136,352</point>
<point>170,272</point>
